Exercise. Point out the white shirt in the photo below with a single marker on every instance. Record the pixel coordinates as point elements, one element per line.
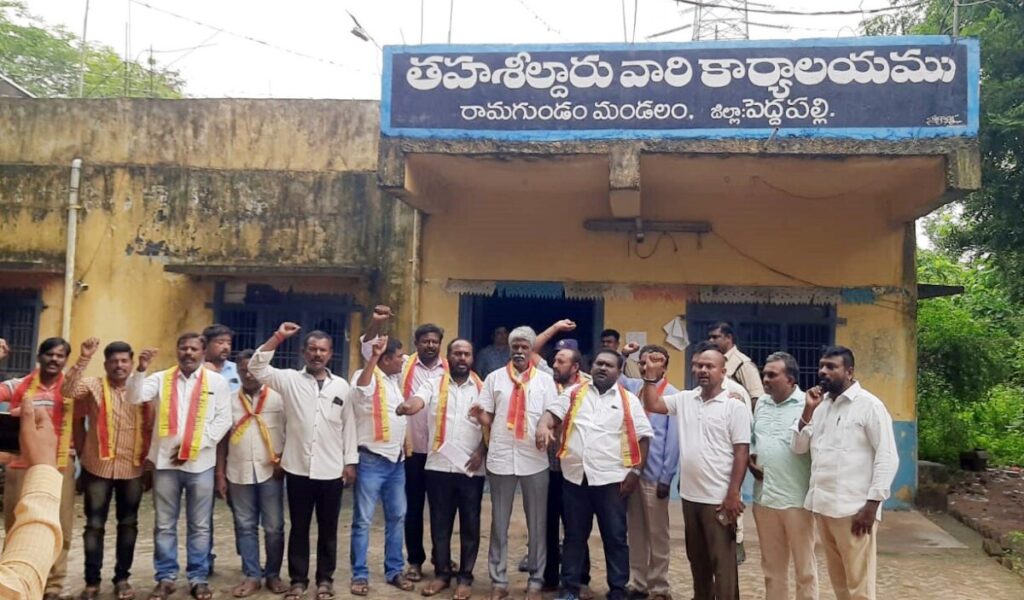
<point>507,455</point>
<point>708,430</point>
<point>595,442</point>
<point>320,426</point>
<point>421,374</point>
<point>460,430</point>
<point>362,402</point>
<point>853,453</point>
<point>141,388</point>
<point>249,460</point>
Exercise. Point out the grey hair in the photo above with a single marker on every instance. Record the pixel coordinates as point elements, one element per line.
<point>787,360</point>
<point>523,332</point>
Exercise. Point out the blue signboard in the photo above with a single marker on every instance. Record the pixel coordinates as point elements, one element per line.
<point>861,88</point>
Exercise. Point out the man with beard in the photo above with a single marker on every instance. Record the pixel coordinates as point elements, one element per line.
<point>376,398</point>
<point>519,394</point>
<point>649,549</point>
<point>714,433</point>
<point>320,451</point>
<point>565,368</point>
<point>43,386</point>
<point>605,436</point>
<point>417,369</point>
<point>453,487</point>
<point>193,407</point>
<point>249,474</point>
<point>218,351</point>
<point>112,455</point>
<point>849,434</point>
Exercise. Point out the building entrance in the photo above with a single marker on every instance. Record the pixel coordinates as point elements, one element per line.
<point>481,315</point>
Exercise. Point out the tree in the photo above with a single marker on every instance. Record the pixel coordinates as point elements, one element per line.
<point>991,222</point>
<point>45,60</point>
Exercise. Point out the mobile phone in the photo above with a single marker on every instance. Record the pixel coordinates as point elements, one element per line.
<point>9,429</point>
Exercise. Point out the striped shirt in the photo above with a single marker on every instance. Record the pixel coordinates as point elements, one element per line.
<point>88,394</point>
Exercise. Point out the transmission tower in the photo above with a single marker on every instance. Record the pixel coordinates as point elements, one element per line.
<point>721,20</point>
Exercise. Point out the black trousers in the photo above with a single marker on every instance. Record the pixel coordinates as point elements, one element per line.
<point>448,493</point>
<point>582,503</point>
<point>98,492</point>
<point>552,577</point>
<point>415,497</point>
<point>305,496</point>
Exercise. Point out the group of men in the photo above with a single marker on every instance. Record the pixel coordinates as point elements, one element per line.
<point>419,427</point>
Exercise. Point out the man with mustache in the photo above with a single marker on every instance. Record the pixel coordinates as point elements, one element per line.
<point>714,434</point>
<point>218,351</point>
<point>605,436</point>
<point>376,397</point>
<point>453,487</point>
<point>784,526</point>
<point>112,455</point>
<point>518,394</point>
<point>649,549</point>
<point>249,468</point>
<point>849,434</point>
<point>193,407</point>
<point>417,369</point>
<point>43,386</point>
<point>565,368</point>
<point>320,451</point>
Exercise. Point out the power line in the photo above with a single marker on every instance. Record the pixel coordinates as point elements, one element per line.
<point>797,13</point>
<point>249,38</point>
<point>540,19</point>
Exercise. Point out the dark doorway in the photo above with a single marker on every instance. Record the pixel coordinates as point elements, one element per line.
<point>480,316</point>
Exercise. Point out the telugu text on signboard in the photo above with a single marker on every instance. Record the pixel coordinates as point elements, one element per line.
<point>924,86</point>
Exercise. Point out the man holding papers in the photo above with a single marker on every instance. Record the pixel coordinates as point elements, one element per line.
<point>454,468</point>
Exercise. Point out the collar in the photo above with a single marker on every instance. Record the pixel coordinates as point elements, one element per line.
<point>796,396</point>
<point>732,352</point>
<point>194,374</point>
<point>850,394</point>
<point>721,397</point>
<point>438,365</point>
<point>330,375</point>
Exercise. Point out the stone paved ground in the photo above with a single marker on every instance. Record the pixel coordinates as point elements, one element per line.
<point>917,559</point>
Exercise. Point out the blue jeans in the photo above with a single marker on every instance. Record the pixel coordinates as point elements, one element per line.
<point>250,505</point>
<point>167,487</point>
<point>378,479</point>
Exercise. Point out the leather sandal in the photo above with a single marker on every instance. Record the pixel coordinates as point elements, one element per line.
<point>435,587</point>
<point>162,590</point>
<point>359,588</point>
<point>402,583</point>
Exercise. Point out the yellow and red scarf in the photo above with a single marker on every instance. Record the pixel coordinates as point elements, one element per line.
<point>255,414</point>
<point>630,443</point>
<point>516,419</point>
<point>196,420</point>
<point>381,412</point>
<point>106,430</point>
<point>408,377</point>
<point>62,414</point>
<point>440,419</point>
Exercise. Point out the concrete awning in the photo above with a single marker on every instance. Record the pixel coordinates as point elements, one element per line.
<point>51,267</point>
<point>257,270</point>
<point>911,179</point>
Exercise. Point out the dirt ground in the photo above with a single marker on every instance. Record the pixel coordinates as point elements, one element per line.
<point>994,497</point>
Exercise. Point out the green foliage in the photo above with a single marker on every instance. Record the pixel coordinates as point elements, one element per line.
<point>45,60</point>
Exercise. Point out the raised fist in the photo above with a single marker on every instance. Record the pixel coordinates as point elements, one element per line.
<point>381,313</point>
<point>146,357</point>
<point>90,346</point>
<point>288,329</point>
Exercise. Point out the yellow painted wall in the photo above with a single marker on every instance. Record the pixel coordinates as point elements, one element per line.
<point>505,233</point>
<point>272,183</point>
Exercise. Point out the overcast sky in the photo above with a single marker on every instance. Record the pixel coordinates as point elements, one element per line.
<point>312,54</point>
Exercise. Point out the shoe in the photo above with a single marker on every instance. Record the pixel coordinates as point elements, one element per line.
<point>524,565</point>
<point>741,554</point>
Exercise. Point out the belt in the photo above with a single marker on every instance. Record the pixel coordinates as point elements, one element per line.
<point>401,455</point>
